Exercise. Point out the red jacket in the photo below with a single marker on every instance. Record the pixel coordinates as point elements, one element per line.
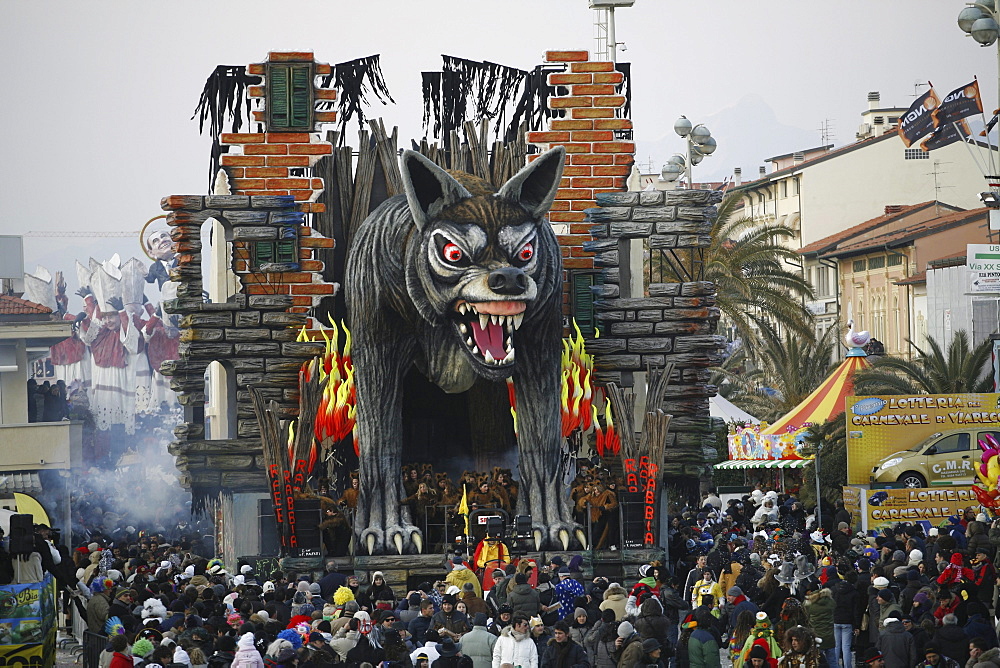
<point>119,660</point>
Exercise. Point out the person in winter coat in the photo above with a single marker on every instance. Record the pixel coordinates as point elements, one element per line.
<point>910,590</point>
<point>800,650</point>
<point>515,646</point>
<point>978,539</point>
<point>629,645</point>
<point>897,646</point>
<point>562,652</point>
<point>345,639</point>
<point>502,620</point>
<point>460,574</point>
<point>979,625</point>
<point>449,622</point>
<point>819,608</point>
<point>540,635</point>
<point>651,622</point>
<point>120,657</point>
<point>652,655</point>
<point>980,653</point>
<point>522,598</point>
<point>951,640</point>
<point>614,599</point>
<point>703,645</point>
<point>738,602</point>
<point>984,575</point>
<point>247,655</point>
<point>478,643</point>
<point>378,591</point>
<point>600,641</point>
<point>579,627</point>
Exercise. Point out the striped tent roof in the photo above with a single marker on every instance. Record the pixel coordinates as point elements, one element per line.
<point>826,401</point>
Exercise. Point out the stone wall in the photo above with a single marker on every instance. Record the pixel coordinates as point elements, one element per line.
<point>675,322</point>
<point>252,333</point>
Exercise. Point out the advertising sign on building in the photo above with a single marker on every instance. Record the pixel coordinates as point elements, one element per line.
<point>983,263</point>
<point>918,440</point>
<point>928,507</point>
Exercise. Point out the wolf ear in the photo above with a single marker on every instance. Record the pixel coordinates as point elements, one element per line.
<point>535,186</point>
<point>429,189</point>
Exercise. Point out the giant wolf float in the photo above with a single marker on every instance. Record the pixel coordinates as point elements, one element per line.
<point>463,282</point>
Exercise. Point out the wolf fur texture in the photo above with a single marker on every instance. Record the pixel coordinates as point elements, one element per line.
<point>463,282</point>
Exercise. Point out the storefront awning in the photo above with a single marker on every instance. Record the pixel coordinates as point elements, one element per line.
<point>825,402</point>
<point>762,464</point>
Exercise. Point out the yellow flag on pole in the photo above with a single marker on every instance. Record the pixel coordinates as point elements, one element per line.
<point>463,508</point>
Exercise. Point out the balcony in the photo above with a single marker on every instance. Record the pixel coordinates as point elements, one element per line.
<point>41,445</point>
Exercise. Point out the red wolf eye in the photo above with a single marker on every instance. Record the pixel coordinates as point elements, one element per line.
<point>451,252</point>
<point>526,252</point>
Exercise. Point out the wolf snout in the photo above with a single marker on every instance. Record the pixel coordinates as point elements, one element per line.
<point>508,281</point>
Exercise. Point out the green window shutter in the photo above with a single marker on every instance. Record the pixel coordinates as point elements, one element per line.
<point>582,303</point>
<point>286,251</point>
<point>278,85</point>
<point>263,252</point>
<point>300,96</point>
<point>290,97</point>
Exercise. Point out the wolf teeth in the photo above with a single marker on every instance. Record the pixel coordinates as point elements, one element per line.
<point>472,307</point>
<point>489,357</point>
<point>462,328</point>
<point>469,342</point>
<point>462,308</point>
<point>494,319</point>
<point>484,320</point>
<point>516,320</point>
<point>475,350</point>
<point>509,358</point>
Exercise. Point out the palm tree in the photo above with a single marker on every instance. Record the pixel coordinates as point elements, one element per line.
<point>961,369</point>
<point>785,370</point>
<point>747,262</point>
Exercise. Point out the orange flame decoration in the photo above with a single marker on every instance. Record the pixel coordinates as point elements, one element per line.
<point>577,391</point>
<point>337,410</point>
<point>576,397</point>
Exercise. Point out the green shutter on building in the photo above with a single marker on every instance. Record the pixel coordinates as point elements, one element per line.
<point>289,97</point>
<point>582,304</point>
<point>286,251</point>
<point>263,252</point>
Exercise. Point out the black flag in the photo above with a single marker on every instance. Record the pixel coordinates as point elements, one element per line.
<point>960,103</point>
<point>946,134</point>
<point>918,119</point>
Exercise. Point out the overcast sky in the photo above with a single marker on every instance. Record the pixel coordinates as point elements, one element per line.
<point>98,96</point>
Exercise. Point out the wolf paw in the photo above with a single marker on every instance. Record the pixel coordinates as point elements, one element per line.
<point>396,539</point>
<point>559,535</point>
<point>404,539</point>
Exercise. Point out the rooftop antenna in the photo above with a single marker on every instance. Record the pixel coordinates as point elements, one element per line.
<point>937,184</point>
<point>604,27</point>
<point>826,131</point>
<point>917,85</point>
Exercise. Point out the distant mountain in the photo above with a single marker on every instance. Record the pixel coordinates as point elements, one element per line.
<point>748,133</point>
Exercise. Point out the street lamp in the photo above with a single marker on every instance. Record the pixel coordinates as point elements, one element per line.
<point>673,168</point>
<point>981,21</point>
<point>699,143</point>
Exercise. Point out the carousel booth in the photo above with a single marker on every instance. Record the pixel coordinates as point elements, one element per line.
<point>772,455</point>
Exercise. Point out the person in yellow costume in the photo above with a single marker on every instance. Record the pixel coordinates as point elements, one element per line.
<point>490,553</point>
<point>707,585</point>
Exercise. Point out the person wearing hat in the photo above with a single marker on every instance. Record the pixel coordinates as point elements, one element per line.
<point>522,598</point>
<point>800,649</point>
<point>600,641</point>
<point>502,619</point>
<point>933,658</point>
<point>984,576</point>
<point>846,611</point>
<point>898,648</point>
<point>515,647</point>
<point>704,644</point>
<point>561,651</point>
<point>706,586</point>
<point>566,592</point>
<point>247,655</point>
<point>460,574</point>
<point>738,602</point>
<point>873,658</point>
<point>121,607</point>
<point>628,644</point>
<point>478,643</point>
<point>449,622</point>
<point>540,635</point>
<point>319,652</point>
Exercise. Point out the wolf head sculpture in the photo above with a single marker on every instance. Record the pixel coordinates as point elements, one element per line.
<point>479,259</point>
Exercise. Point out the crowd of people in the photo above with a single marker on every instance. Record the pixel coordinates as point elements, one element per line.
<point>756,584</point>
